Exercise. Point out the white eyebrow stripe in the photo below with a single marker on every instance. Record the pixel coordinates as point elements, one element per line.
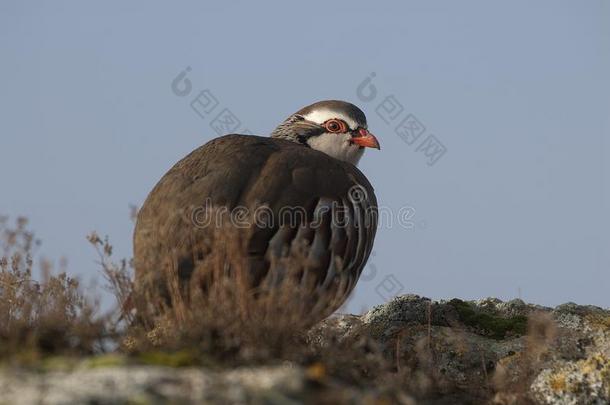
<point>323,115</point>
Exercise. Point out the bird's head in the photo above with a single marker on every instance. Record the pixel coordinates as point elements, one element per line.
<point>337,128</point>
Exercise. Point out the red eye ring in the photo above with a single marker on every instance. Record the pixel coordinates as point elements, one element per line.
<point>335,126</point>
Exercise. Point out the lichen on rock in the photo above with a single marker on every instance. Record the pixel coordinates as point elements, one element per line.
<point>573,383</point>
<point>439,352</point>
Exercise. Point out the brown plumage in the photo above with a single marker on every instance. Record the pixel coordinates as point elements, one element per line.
<point>252,172</point>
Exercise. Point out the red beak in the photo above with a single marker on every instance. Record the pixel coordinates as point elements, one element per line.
<point>366,139</point>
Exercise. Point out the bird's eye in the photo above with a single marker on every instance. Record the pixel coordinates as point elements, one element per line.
<point>335,126</point>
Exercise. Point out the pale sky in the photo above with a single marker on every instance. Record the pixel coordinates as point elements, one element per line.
<point>517,92</point>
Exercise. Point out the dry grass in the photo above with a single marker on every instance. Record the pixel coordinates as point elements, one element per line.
<point>218,319</point>
<point>513,376</point>
<point>229,324</point>
<point>50,316</point>
<point>218,316</point>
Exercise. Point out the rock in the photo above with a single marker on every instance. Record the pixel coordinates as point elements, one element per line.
<point>445,352</point>
<point>150,384</point>
<point>573,383</point>
<point>128,384</point>
<point>505,352</point>
<point>384,321</point>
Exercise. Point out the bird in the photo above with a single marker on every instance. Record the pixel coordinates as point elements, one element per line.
<point>306,166</point>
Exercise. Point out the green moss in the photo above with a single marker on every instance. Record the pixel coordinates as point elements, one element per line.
<point>58,363</point>
<point>139,400</point>
<point>107,360</point>
<point>495,327</point>
<point>182,358</point>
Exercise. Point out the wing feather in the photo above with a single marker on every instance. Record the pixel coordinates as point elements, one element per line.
<point>252,172</point>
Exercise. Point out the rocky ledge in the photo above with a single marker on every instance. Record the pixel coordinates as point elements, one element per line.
<point>447,352</point>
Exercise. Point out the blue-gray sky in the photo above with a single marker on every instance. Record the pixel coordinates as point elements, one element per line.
<point>518,92</point>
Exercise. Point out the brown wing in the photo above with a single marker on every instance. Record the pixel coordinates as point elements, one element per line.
<point>312,200</point>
